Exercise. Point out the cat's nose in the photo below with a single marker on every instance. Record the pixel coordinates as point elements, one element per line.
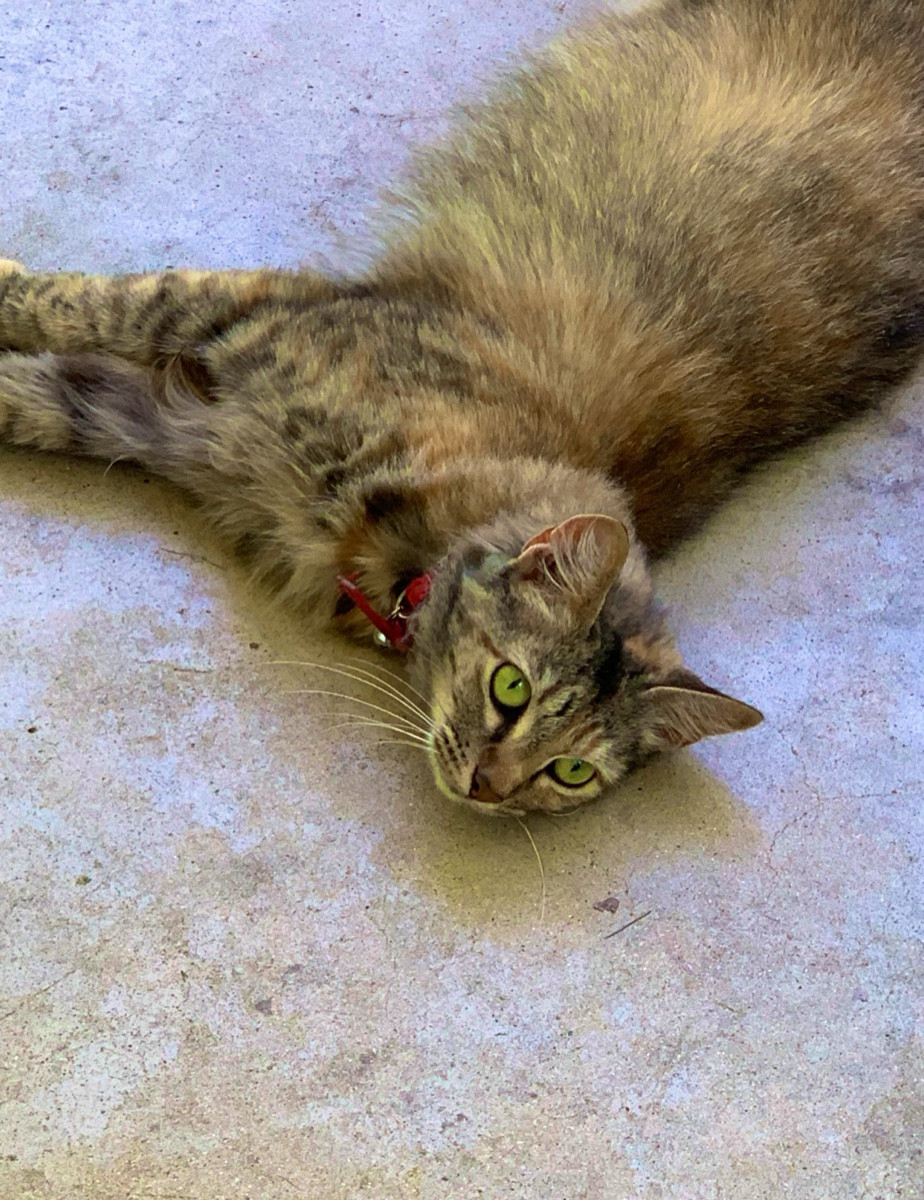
<point>481,789</point>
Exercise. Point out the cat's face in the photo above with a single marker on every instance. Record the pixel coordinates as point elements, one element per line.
<point>549,674</point>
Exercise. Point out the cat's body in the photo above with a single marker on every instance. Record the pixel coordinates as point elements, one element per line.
<point>681,241</point>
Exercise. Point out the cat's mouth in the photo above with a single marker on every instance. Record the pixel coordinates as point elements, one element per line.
<point>487,805</point>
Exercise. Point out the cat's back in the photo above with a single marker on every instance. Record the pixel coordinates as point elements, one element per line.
<point>684,129</point>
<point>686,238</point>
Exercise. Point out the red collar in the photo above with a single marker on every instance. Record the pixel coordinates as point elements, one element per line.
<point>393,628</point>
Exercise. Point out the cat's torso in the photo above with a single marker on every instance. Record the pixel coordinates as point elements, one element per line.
<point>697,244</point>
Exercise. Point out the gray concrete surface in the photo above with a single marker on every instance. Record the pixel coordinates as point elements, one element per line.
<point>243,954</point>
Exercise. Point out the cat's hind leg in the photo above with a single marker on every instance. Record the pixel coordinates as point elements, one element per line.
<point>100,405</point>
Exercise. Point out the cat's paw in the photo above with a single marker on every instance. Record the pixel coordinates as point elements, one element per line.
<point>9,266</point>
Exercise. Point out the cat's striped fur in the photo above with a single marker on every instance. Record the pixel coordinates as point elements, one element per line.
<point>678,242</point>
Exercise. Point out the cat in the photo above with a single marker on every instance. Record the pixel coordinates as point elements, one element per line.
<point>669,246</point>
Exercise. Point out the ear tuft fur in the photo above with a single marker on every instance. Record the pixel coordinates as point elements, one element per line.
<point>581,559</point>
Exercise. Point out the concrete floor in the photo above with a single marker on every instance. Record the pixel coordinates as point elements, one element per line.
<point>245,955</point>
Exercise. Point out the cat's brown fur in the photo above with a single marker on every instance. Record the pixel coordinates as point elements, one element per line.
<point>678,242</point>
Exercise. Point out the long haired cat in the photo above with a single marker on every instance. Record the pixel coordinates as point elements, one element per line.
<point>675,243</point>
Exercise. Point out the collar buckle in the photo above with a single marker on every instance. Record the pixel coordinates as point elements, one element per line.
<point>393,629</point>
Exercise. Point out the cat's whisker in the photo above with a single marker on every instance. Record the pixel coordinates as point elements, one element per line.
<point>366,722</point>
<point>398,742</point>
<point>532,842</point>
<point>357,677</point>
<point>357,723</point>
<point>356,700</point>
<point>387,671</point>
<point>365,675</point>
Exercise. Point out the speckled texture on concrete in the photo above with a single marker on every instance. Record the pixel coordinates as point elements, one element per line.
<point>245,955</point>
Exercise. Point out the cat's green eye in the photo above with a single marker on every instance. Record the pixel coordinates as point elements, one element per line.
<point>572,772</point>
<point>510,687</point>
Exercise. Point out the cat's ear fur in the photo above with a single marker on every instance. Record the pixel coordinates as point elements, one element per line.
<point>578,560</point>
<point>681,709</point>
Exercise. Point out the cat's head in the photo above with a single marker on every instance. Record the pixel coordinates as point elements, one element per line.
<point>550,674</point>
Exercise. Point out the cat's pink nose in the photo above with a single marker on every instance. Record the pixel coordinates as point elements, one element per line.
<point>481,789</point>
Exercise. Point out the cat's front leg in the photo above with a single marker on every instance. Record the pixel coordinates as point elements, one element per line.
<point>148,319</point>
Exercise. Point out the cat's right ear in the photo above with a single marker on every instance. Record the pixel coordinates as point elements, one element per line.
<point>578,560</point>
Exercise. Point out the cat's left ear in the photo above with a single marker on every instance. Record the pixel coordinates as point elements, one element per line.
<point>682,709</point>
<point>580,560</point>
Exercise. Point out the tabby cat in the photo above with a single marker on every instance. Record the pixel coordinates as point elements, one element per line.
<point>674,243</point>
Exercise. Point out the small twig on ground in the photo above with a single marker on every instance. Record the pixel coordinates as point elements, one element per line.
<point>634,921</point>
